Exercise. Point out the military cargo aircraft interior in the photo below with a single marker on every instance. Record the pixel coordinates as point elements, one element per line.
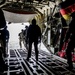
<point>21,52</point>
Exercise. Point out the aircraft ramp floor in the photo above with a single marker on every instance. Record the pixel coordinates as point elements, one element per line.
<point>47,64</point>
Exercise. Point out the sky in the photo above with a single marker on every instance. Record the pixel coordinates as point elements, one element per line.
<point>15,29</point>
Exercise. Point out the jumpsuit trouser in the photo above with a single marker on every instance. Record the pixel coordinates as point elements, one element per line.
<point>69,50</point>
<point>30,48</point>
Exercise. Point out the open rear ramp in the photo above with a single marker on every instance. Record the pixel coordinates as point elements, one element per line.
<point>47,64</point>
